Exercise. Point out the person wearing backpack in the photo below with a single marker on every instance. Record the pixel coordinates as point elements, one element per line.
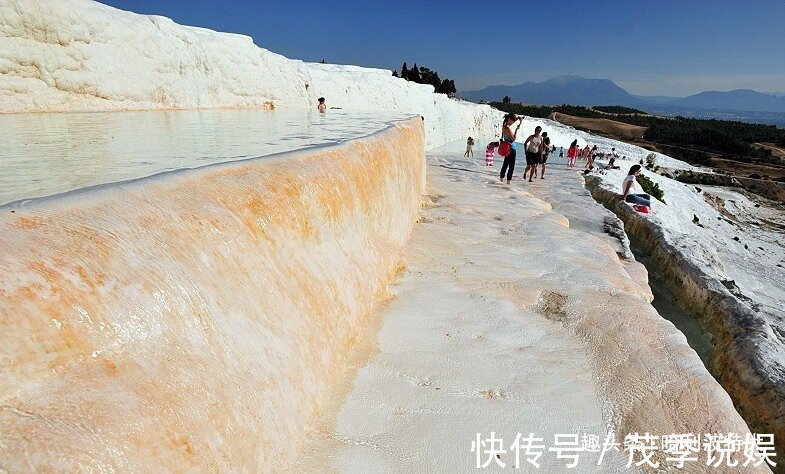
<point>533,148</point>
<point>508,142</point>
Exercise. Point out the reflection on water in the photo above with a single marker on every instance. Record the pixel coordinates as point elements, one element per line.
<point>44,154</point>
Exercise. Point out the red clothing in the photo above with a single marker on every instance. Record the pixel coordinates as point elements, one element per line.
<point>572,152</point>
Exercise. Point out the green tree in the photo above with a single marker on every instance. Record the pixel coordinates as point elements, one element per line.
<point>414,73</point>
<point>506,100</point>
<point>650,187</point>
<point>447,87</point>
<point>425,75</point>
<point>618,109</point>
<point>430,77</point>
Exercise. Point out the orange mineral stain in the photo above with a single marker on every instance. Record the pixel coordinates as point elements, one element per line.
<point>196,321</point>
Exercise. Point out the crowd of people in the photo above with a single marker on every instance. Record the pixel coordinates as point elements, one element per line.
<point>586,154</point>
<point>537,147</point>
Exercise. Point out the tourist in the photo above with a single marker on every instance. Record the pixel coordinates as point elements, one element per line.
<point>322,105</point>
<point>489,153</point>
<point>572,154</point>
<point>533,149</point>
<point>628,188</point>
<point>612,163</point>
<point>585,152</point>
<point>561,151</point>
<point>590,156</point>
<point>546,150</point>
<point>469,148</point>
<point>509,136</point>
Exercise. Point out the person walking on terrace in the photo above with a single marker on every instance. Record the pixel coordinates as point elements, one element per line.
<point>509,136</point>
<point>533,147</point>
<point>572,154</point>
<point>546,150</point>
<point>591,155</point>
<point>489,150</point>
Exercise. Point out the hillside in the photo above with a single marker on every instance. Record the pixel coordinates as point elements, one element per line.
<point>741,99</point>
<point>582,91</point>
<point>760,178</point>
<point>342,299</point>
<point>605,127</point>
<point>559,90</point>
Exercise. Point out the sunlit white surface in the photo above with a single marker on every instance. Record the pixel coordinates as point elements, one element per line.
<point>81,55</point>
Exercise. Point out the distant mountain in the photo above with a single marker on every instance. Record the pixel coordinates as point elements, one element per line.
<point>655,99</point>
<point>581,91</point>
<point>565,89</point>
<point>770,118</point>
<point>740,99</point>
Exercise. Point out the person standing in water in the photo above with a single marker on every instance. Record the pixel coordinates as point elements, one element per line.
<point>572,154</point>
<point>533,147</point>
<point>322,105</point>
<point>628,188</point>
<point>546,150</point>
<point>469,148</point>
<point>509,136</point>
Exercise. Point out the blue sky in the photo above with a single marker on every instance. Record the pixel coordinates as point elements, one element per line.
<point>655,47</point>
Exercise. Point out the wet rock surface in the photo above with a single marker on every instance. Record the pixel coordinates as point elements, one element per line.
<point>748,358</point>
<point>506,308</point>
